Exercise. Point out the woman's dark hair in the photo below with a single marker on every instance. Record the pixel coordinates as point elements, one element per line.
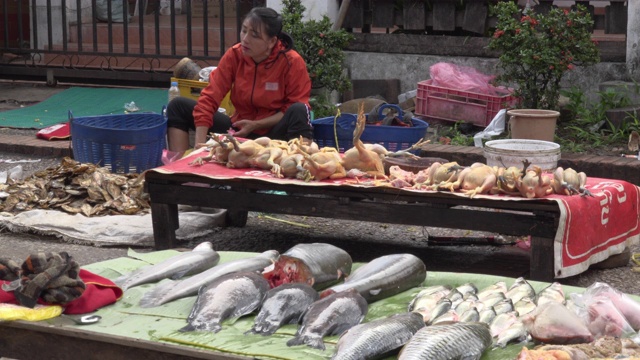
<point>272,22</point>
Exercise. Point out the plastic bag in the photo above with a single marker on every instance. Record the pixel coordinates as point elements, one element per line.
<point>38,313</point>
<point>462,78</point>
<point>205,73</point>
<point>495,128</point>
<point>607,311</point>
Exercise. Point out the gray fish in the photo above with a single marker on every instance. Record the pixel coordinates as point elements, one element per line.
<point>428,297</point>
<point>318,264</point>
<point>553,292</point>
<point>487,315</point>
<point>516,332</point>
<point>283,305</point>
<point>202,257</point>
<point>490,290</point>
<point>520,289</point>
<point>468,304</point>
<point>381,337</point>
<point>448,317</point>
<point>502,322</point>
<point>331,315</point>
<point>471,315</point>
<point>169,291</point>
<point>493,299</point>
<point>448,341</point>
<point>467,288</point>
<point>228,297</point>
<point>441,308</point>
<point>384,277</point>
<point>524,306</point>
<point>503,306</point>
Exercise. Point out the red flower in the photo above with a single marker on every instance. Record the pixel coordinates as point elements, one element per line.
<point>570,67</point>
<point>551,67</point>
<point>321,52</point>
<point>321,35</point>
<point>498,33</point>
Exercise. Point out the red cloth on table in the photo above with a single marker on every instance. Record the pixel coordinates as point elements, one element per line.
<point>99,292</point>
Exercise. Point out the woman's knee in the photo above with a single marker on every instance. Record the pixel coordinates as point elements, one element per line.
<point>299,110</point>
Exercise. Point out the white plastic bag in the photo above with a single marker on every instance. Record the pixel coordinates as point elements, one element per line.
<point>495,127</point>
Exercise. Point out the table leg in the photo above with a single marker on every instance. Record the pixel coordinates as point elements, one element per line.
<point>165,223</point>
<point>542,266</point>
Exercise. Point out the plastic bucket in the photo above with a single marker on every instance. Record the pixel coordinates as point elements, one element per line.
<point>533,124</point>
<point>512,152</point>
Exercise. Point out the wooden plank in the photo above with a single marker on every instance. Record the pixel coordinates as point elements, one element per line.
<point>383,13</point>
<point>444,16</point>
<point>164,219</point>
<point>355,15</point>
<point>542,259</point>
<point>616,18</point>
<point>475,17</point>
<point>414,15</point>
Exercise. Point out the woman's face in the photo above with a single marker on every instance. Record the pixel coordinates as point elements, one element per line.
<point>255,42</point>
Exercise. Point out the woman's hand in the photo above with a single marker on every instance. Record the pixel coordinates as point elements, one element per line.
<point>244,127</point>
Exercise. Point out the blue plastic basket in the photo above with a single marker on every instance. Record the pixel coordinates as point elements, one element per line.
<point>125,142</point>
<point>393,138</point>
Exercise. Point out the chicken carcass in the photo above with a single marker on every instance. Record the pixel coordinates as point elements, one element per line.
<point>443,173</point>
<point>533,184</point>
<point>290,166</point>
<point>219,151</point>
<point>242,153</point>
<point>478,178</point>
<point>507,180</point>
<point>267,159</point>
<point>569,182</point>
<point>325,164</point>
<point>368,159</point>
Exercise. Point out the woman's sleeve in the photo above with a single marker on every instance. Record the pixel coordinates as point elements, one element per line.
<point>298,83</point>
<point>220,81</point>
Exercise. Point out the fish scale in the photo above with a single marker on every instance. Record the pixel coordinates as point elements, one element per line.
<point>448,341</point>
<point>378,337</point>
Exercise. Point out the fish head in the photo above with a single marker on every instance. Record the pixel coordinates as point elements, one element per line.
<point>288,269</point>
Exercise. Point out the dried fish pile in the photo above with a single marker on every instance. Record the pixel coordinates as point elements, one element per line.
<point>76,188</point>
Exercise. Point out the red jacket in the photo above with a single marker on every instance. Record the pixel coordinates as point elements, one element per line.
<point>257,90</point>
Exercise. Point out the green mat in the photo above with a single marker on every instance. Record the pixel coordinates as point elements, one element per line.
<point>83,101</point>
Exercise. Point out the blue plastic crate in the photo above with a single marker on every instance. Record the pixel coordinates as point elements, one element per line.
<point>125,142</point>
<point>393,138</point>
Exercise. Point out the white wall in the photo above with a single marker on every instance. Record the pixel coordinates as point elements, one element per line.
<point>315,9</point>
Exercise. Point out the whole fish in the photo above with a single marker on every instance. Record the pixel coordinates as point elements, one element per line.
<point>384,277</point>
<point>467,288</point>
<point>520,289</point>
<point>516,332</point>
<point>228,297</point>
<point>331,315</point>
<point>502,322</point>
<point>169,291</point>
<point>553,292</point>
<point>497,287</point>
<point>524,306</point>
<point>471,315</point>
<point>487,315</point>
<point>428,297</point>
<point>283,305</point>
<point>318,264</point>
<point>448,341</point>
<point>377,338</point>
<point>442,307</point>
<point>202,257</point>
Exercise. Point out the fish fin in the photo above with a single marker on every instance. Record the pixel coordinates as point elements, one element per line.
<point>187,328</point>
<point>155,296</point>
<point>314,342</point>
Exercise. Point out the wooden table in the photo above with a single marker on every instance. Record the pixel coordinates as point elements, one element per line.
<point>537,218</point>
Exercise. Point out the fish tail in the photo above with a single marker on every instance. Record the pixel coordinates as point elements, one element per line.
<point>314,342</point>
<point>187,328</point>
<point>155,297</point>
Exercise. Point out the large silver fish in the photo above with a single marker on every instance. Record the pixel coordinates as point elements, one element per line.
<point>332,315</point>
<point>202,257</point>
<point>377,338</point>
<point>384,277</point>
<point>283,305</point>
<point>318,264</point>
<point>228,297</point>
<point>448,341</point>
<point>169,291</point>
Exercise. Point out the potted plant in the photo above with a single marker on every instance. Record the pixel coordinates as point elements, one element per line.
<point>322,49</point>
<point>536,50</point>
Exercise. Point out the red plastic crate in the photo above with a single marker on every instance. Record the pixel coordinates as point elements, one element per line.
<point>436,102</point>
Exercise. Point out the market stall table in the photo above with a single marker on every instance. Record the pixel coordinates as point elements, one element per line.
<point>568,233</point>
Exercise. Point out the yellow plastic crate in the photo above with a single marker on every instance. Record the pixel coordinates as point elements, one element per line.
<point>192,88</point>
